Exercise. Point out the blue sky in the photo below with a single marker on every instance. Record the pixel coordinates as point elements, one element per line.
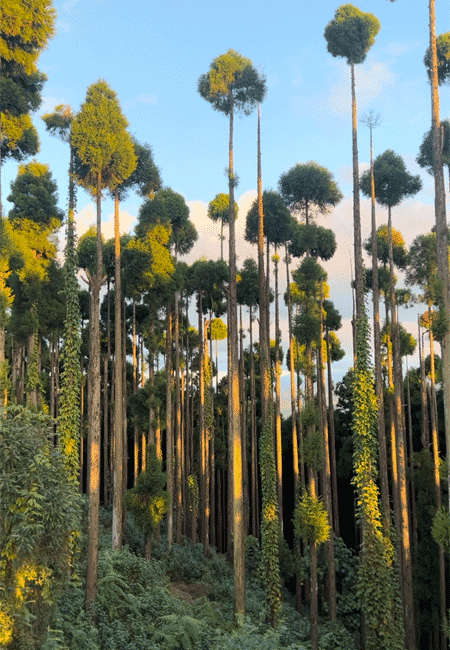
<point>152,54</point>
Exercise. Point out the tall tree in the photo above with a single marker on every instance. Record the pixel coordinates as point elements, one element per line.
<point>25,30</point>
<point>437,74</point>
<point>350,35</point>
<point>233,84</point>
<point>219,210</point>
<point>97,134</point>
<point>58,123</point>
<point>392,184</point>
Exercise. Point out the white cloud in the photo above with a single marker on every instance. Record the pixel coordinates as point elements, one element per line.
<point>370,81</point>
<point>145,98</point>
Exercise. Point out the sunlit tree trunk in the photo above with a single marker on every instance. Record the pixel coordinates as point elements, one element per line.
<point>278,446</point>
<point>169,428</point>
<point>407,590</point>
<point>93,451</point>
<point>359,281</point>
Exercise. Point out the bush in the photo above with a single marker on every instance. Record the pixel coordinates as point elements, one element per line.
<point>40,513</point>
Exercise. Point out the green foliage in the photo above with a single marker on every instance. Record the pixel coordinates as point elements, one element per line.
<point>377,586</point>
<point>219,208</point>
<point>69,411</point>
<point>309,189</point>
<point>278,223</point>
<point>393,182</point>
<point>443,57</point>
<point>34,196</point>
<point>351,34</point>
<point>313,239</point>
<point>148,499</point>
<point>217,330</point>
<point>334,636</point>
<point>232,83</point>
<point>399,250</point>
<point>270,523</point>
<point>312,445</point>
<point>441,528</point>
<point>39,511</point>
<point>25,30</point>
<point>311,519</point>
<point>101,144</point>
<point>425,157</point>
<point>248,284</point>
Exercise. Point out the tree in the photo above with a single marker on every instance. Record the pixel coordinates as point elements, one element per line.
<point>425,157</point>
<point>58,123</point>
<point>32,224</point>
<point>443,55</point>
<point>25,30</point>
<point>441,226</point>
<point>99,138</point>
<point>147,500</point>
<point>219,210</point>
<point>350,35</point>
<point>35,541</point>
<point>233,84</point>
<point>392,184</point>
<point>309,189</point>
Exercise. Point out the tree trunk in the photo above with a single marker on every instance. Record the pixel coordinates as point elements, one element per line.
<point>93,460</point>
<point>359,280</point>
<point>441,228</point>
<point>118,391</point>
<point>384,482</point>
<point>178,432</point>
<point>235,434</point>
<point>407,589</point>
<point>169,431</point>
<point>278,444</point>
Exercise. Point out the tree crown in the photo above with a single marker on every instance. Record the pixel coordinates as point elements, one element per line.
<point>351,33</point>
<point>232,83</point>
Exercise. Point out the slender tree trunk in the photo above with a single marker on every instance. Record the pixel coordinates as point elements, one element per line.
<point>93,460</point>
<point>263,295</point>
<point>425,435</point>
<point>292,382</point>
<point>314,599</point>
<point>178,432</point>
<point>384,482</point>
<point>118,406</point>
<point>359,280</point>
<point>238,501</point>
<point>169,430</point>
<point>327,478</point>
<point>244,433</point>
<point>408,602</point>
<point>254,444</point>
<point>441,227</point>
<point>278,444</point>
<point>106,443</point>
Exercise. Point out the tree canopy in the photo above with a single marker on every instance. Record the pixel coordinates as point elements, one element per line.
<point>351,33</point>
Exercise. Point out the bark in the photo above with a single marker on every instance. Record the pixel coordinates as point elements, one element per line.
<point>407,590</point>
<point>425,435</point>
<point>359,281</point>
<point>292,383</point>
<point>384,482</point>
<point>118,475</point>
<point>254,444</point>
<point>278,446</point>
<point>314,600</point>
<point>441,227</point>
<point>106,446</point>
<point>178,432</point>
<point>169,430</point>
<point>93,460</point>
<point>327,481</point>
<point>238,501</point>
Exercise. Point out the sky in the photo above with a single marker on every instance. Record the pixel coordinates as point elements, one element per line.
<point>152,54</point>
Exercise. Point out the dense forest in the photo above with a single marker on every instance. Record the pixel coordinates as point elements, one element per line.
<point>150,498</point>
